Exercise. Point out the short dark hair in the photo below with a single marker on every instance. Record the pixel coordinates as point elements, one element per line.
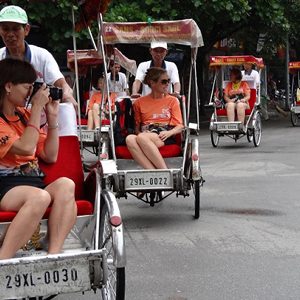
<point>15,71</point>
<point>153,74</point>
<point>237,73</point>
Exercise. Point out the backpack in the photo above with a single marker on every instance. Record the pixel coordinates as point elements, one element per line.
<point>124,121</point>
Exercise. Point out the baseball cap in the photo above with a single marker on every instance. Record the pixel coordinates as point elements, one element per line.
<point>159,45</point>
<point>12,13</point>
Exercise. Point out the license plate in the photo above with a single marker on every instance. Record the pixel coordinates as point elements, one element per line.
<point>87,135</point>
<point>225,127</point>
<point>296,109</point>
<point>44,278</point>
<point>148,180</point>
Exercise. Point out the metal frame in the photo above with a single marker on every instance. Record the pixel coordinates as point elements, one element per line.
<point>86,233</point>
<point>183,172</point>
<point>87,255</point>
<point>238,130</point>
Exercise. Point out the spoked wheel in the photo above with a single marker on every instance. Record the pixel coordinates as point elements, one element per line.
<point>257,131</point>
<point>115,286</point>
<point>250,135</point>
<point>294,119</point>
<point>214,136</point>
<point>197,198</point>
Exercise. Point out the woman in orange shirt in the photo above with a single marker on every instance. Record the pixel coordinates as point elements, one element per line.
<point>21,143</point>
<point>157,120</point>
<point>236,95</point>
<point>93,110</point>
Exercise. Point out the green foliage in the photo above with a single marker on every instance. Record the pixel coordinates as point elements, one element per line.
<point>54,19</point>
<point>217,19</point>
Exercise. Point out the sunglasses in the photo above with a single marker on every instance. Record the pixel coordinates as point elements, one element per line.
<point>165,81</point>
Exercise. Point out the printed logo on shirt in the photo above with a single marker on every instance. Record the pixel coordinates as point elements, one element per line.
<point>165,114</point>
<point>4,139</point>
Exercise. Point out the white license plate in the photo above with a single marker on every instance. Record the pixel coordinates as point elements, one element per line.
<point>87,135</point>
<point>148,180</point>
<point>44,278</point>
<point>296,109</point>
<point>225,127</point>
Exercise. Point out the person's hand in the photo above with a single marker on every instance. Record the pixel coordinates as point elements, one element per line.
<point>176,95</point>
<point>163,135</point>
<point>52,111</point>
<point>41,97</point>
<point>68,97</point>
<point>135,96</point>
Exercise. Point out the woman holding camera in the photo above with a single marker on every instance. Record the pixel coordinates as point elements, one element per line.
<point>157,120</point>
<point>236,95</point>
<point>22,142</point>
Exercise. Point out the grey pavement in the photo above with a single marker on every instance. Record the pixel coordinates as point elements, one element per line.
<point>246,244</point>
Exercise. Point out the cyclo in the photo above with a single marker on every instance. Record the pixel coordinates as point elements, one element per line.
<point>294,68</point>
<point>120,171</point>
<point>219,125</point>
<point>87,60</point>
<point>93,257</point>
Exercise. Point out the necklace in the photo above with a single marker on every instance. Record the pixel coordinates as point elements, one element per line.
<point>236,86</point>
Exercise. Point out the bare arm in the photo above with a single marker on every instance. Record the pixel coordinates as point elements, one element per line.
<point>177,88</point>
<point>67,91</point>
<point>136,87</point>
<point>50,151</point>
<point>247,97</point>
<point>168,133</point>
<point>227,99</point>
<point>26,144</point>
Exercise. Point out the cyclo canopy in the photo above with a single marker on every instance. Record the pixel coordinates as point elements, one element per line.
<point>184,32</point>
<point>294,66</point>
<point>90,57</point>
<point>219,61</point>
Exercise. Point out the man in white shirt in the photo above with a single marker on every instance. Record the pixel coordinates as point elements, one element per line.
<point>14,28</point>
<point>117,80</point>
<point>158,51</point>
<point>250,74</point>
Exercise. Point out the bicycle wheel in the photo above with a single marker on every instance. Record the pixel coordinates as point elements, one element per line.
<point>214,136</point>
<point>115,286</point>
<point>197,198</point>
<point>257,131</point>
<point>294,119</point>
<point>249,135</point>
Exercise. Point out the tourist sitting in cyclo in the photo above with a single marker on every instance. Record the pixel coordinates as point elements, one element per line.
<point>236,95</point>
<point>93,109</point>
<point>22,142</point>
<point>157,120</point>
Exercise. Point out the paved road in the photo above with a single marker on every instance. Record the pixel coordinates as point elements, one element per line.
<point>246,244</point>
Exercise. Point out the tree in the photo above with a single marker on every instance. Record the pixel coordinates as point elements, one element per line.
<point>217,19</point>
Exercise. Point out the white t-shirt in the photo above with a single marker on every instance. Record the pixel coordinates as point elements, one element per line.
<point>43,62</point>
<point>253,76</point>
<point>170,67</point>
<point>117,86</point>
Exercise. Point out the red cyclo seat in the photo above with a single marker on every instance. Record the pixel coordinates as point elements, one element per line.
<point>69,165</point>
<point>222,111</point>
<point>166,151</point>
<point>82,121</point>
<point>83,208</point>
<point>85,122</point>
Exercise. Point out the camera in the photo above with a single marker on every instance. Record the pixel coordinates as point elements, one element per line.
<point>55,92</point>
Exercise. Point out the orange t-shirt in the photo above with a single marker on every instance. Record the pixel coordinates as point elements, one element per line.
<point>163,111</point>
<point>242,89</point>
<point>11,132</point>
<point>97,97</point>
